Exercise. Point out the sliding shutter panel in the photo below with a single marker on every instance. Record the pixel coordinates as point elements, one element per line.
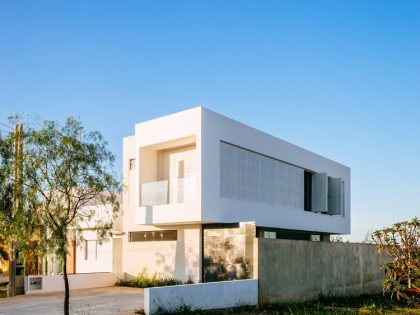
<point>319,192</point>
<point>335,196</point>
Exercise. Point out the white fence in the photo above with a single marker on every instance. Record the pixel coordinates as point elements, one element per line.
<point>44,284</point>
<point>202,295</point>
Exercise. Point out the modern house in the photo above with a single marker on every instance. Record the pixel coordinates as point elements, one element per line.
<point>199,187</point>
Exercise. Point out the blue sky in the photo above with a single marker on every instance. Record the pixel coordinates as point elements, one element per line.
<point>340,78</point>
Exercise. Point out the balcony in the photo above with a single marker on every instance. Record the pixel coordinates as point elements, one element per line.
<point>172,191</point>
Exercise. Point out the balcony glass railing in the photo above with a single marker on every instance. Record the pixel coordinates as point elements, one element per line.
<point>154,193</point>
<point>175,190</point>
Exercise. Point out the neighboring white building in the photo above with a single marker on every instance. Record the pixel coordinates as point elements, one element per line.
<point>200,186</point>
<point>92,255</point>
<point>86,254</point>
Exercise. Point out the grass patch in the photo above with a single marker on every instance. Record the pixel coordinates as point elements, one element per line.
<point>376,302</point>
<point>143,280</point>
<point>324,305</point>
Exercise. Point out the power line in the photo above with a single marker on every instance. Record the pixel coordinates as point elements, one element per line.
<point>6,125</point>
<point>6,131</point>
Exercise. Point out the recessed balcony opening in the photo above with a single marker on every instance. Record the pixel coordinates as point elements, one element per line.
<point>168,173</point>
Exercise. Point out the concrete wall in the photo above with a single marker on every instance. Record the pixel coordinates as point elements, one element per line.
<point>300,270</point>
<point>76,281</point>
<point>228,252</point>
<point>203,296</point>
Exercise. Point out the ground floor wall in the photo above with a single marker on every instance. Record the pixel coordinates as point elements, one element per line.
<point>93,256</point>
<point>180,258</point>
<point>228,251</point>
<point>300,270</point>
<point>45,284</point>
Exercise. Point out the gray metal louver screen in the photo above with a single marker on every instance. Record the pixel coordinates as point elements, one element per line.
<point>319,192</point>
<point>247,175</point>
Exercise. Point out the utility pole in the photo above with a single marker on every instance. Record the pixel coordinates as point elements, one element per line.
<point>17,201</point>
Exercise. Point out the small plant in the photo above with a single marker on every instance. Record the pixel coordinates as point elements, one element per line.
<point>144,280</point>
<point>179,309</point>
<point>336,239</point>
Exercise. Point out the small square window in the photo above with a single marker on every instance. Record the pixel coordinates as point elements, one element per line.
<point>315,237</point>
<point>271,235</point>
<point>132,164</point>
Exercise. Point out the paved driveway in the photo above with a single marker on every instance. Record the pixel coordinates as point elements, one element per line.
<point>100,301</point>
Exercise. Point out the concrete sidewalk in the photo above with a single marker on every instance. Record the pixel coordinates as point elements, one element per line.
<point>107,301</point>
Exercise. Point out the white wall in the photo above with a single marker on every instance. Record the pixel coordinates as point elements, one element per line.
<point>215,128</point>
<point>202,296</point>
<point>208,129</point>
<point>104,255</point>
<point>103,262</point>
<point>76,281</point>
<point>99,214</point>
<point>180,259</point>
<point>183,128</point>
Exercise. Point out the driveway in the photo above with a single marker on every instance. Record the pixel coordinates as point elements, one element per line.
<point>99,301</point>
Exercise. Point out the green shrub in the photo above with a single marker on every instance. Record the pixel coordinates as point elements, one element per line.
<point>401,242</point>
<point>144,280</point>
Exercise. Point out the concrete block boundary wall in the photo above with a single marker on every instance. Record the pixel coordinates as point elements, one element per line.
<point>211,295</point>
<point>45,284</point>
<point>290,270</point>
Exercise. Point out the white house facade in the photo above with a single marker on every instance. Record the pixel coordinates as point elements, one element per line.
<point>91,255</point>
<point>198,187</point>
<point>87,253</point>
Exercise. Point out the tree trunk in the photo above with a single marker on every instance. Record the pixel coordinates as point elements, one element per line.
<point>66,286</point>
<point>12,269</point>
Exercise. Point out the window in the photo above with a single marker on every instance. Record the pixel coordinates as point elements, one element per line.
<point>271,235</point>
<point>315,237</point>
<point>91,251</point>
<point>132,164</point>
<point>152,236</point>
